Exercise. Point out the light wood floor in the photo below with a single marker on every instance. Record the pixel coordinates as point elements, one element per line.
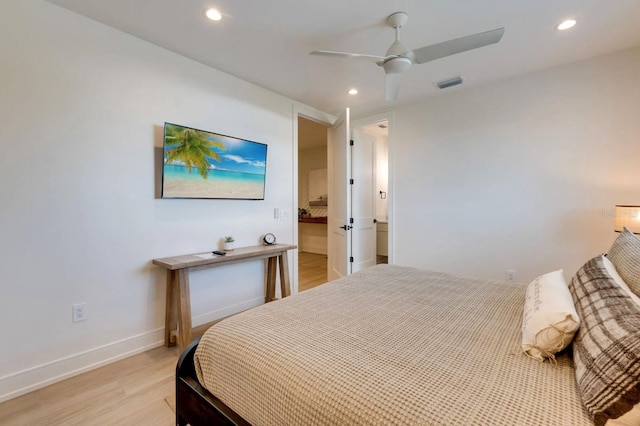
<point>138,390</point>
<point>312,270</point>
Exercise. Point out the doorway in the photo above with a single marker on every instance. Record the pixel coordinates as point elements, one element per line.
<point>312,203</point>
<point>312,230</point>
<point>379,131</point>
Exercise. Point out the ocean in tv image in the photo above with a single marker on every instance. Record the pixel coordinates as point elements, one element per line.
<point>201,164</point>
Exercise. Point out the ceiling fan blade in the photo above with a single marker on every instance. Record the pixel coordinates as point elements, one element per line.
<point>458,45</point>
<point>346,55</point>
<point>392,86</point>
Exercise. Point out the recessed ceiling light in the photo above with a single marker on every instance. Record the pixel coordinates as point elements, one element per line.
<point>353,91</point>
<point>213,14</point>
<point>566,24</point>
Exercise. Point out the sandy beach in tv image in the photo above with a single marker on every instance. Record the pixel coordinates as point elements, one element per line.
<point>201,164</point>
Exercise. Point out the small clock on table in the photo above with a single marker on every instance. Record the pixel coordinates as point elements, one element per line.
<point>269,239</point>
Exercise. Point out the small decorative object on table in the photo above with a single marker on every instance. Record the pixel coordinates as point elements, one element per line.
<point>269,239</point>
<point>229,243</point>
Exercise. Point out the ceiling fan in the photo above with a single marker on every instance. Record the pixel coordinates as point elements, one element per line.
<point>399,59</point>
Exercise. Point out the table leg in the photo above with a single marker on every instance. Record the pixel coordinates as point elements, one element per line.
<point>184,309</point>
<point>285,286</point>
<point>271,279</point>
<point>170,319</point>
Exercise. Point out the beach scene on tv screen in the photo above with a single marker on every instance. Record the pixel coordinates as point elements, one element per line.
<point>201,164</point>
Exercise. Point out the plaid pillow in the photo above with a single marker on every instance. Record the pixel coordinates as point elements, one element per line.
<point>606,349</point>
<point>625,256</point>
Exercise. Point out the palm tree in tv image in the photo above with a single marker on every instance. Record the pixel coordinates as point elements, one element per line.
<point>191,147</point>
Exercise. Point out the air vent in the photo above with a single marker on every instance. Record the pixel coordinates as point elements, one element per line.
<point>443,84</point>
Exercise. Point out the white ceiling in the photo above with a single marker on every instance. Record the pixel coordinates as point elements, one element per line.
<point>267,42</point>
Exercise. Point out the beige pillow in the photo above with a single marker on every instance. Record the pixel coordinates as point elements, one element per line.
<point>549,320</point>
<point>625,256</point>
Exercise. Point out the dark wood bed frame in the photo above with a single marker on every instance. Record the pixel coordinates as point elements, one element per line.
<point>195,405</point>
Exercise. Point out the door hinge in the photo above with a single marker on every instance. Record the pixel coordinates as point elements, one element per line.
<point>351,259</point>
<point>351,181</point>
<point>351,142</point>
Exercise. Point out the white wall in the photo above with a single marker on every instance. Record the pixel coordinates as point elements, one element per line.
<point>82,109</point>
<point>516,175</point>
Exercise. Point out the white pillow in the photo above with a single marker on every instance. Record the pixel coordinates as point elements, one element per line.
<point>618,279</point>
<point>549,321</point>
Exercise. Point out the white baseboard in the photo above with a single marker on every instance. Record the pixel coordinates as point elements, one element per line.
<point>21,382</point>
<point>30,379</point>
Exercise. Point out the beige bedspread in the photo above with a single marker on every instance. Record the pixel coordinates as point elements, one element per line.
<point>388,345</point>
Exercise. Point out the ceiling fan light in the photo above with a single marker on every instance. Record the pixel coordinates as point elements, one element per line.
<point>565,25</point>
<point>397,65</point>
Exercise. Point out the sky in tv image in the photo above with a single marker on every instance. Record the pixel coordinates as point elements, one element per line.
<point>201,164</point>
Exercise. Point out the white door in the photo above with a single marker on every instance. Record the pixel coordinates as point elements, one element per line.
<point>352,231</point>
<point>363,208</point>
<point>339,162</point>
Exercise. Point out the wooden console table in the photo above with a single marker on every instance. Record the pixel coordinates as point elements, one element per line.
<point>177,327</point>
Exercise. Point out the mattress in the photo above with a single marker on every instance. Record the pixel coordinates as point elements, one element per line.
<point>389,345</point>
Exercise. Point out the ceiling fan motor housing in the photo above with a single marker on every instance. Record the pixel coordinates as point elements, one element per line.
<point>396,49</point>
<point>397,65</point>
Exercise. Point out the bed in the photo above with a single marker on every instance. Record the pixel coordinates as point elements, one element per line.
<point>387,345</point>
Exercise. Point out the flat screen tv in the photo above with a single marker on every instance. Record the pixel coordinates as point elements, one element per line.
<point>201,164</point>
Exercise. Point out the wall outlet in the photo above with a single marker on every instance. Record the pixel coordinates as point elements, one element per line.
<point>79,312</point>
<point>285,214</point>
<point>511,275</point>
